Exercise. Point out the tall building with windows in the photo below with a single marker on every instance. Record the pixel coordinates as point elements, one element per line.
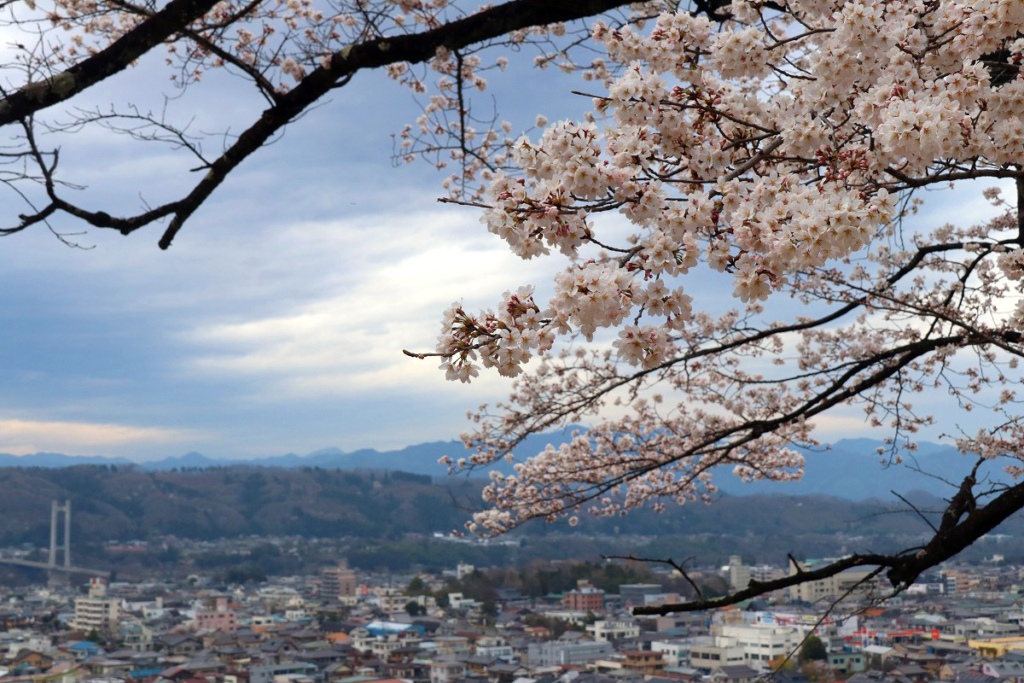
<point>737,573</point>
<point>97,612</point>
<point>585,598</point>
<point>216,615</point>
<point>338,582</point>
<point>848,582</point>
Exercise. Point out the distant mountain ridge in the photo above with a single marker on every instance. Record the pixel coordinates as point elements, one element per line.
<point>54,460</point>
<point>416,459</point>
<point>849,469</point>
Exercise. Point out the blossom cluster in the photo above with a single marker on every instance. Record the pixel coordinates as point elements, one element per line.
<point>714,147</point>
<point>775,147</point>
<point>276,42</point>
<point>503,340</point>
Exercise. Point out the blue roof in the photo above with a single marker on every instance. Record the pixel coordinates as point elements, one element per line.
<point>85,646</point>
<point>145,673</point>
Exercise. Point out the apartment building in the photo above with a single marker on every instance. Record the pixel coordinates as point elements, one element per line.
<point>338,582</point>
<point>737,574</point>
<point>605,630</point>
<point>97,612</point>
<point>708,656</point>
<point>584,599</point>
<point>217,616</point>
<point>675,652</point>
<point>567,652</point>
<point>644,662</point>
<point>831,588</point>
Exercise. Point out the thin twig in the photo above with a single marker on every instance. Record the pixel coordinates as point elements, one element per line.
<point>919,513</point>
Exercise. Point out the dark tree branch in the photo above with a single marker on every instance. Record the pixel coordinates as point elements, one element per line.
<point>344,64</point>
<point>114,58</point>
<point>1020,209</point>
<point>757,588</point>
<point>902,568</point>
<point>916,510</point>
<point>678,566</point>
<point>945,545</point>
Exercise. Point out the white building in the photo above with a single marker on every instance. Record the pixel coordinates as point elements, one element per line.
<point>495,647</point>
<point>445,670</point>
<point>675,652</point>
<point>97,612</point>
<point>607,629</point>
<point>459,601</point>
<point>750,644</point>
<point>390,600</point>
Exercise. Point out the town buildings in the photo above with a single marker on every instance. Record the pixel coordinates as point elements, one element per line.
<point>343,626</point>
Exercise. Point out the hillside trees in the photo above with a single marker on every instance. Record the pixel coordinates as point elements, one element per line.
<point>775,148</point>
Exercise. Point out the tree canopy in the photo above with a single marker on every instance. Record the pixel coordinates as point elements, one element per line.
<point>813,649</point>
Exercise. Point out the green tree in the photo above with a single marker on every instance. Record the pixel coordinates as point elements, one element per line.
<point>413,608</point>
<point>813,650</point>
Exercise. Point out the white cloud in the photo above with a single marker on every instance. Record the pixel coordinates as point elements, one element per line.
<point>31,436</point>
<point>832,426</point>
<point>388,296</point>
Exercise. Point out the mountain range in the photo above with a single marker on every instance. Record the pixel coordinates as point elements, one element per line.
<point>849,468</point>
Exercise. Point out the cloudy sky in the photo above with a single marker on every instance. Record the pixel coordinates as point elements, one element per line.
<point>276,321</point>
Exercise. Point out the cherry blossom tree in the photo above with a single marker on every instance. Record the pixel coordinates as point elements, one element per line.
<point>781,145</point>
<point>778,146</point>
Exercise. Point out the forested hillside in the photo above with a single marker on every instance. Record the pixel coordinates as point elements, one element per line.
<point>112,502</point>
<point>385,520</point>
<point>121,503</point>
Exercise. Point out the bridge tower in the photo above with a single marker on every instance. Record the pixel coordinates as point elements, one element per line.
<point>55,511</point>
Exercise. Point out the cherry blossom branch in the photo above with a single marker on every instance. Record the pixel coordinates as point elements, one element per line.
<point>759,588</point>
<point>753,161</point>
<point>35,97</point>
<point>342,65</point>
<point>592,394</point>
